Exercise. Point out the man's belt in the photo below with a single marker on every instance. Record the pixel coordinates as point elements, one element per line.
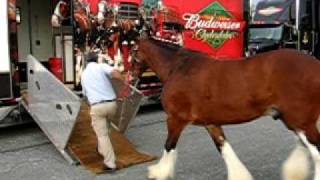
<point>104,101</point>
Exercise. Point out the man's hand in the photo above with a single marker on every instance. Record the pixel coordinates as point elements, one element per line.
<point>117,75</point>
<point>124,90</point>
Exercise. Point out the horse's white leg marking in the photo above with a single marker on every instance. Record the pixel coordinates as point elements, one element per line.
<point>296,167</point>
<point>118,61</point>
<point>101,7</point>
<point>314,154</point>
<point>79,67</point>
<point>236,170</point>
<point>165,167</point>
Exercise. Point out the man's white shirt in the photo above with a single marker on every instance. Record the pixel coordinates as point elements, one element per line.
<point>96,84</point>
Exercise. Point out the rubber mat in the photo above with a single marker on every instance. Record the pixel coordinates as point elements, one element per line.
<point>83,143</point>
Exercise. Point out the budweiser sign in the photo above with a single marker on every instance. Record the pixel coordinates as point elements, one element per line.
<point>194,21</point>
<point>213,24</point>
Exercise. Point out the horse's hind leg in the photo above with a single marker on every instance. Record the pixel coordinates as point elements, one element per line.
<point>310,137</point>
<point>164,169</point>
<point>296,167</point>
<point>292,168</point>
<point>315,155</point>
<point>236,170</point>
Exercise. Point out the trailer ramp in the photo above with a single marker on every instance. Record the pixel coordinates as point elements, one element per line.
<point>83,143</point>
<point>54,107</point>
<point>65,119</point>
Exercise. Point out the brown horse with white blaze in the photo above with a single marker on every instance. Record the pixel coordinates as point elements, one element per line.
<point>60,13</point>
<point>202,91</point>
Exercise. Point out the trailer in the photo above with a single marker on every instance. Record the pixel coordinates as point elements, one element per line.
<point>37,73</point>
<point>27,30</point>
<point>6,71</point>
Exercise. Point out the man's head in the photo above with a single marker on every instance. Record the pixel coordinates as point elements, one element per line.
<point>91,57</point>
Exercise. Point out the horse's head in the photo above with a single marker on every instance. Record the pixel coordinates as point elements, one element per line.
<point>61,12</point>
<point>81,15</point>
<point>12,10</point>
<point>103,9</point>
<point>138,61</point>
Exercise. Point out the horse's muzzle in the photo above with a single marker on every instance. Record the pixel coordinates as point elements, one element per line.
<point>55,21</point>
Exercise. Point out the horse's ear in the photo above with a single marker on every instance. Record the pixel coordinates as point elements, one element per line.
<point>145,32</point>
<point>135,47</point>
<point>144,35</point>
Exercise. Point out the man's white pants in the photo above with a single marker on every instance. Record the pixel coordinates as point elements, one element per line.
<point>101,115</point>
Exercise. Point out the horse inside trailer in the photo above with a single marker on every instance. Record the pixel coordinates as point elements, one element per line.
<point>283,84</point>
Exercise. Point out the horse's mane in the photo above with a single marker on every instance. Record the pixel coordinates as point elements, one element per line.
<point>169,46</point>
<point>175,48</point>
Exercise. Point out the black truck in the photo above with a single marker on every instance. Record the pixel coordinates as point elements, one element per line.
<point>278,24</point>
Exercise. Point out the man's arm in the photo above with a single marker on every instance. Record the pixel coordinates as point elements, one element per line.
<point>84,94</point>
<point>112,72</point>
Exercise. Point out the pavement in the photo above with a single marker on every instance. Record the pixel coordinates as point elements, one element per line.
<point>262,145</point>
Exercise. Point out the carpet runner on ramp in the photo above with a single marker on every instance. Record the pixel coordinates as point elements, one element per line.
<point>83,143</point>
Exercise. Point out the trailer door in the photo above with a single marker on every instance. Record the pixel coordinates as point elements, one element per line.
<point>5,73</point>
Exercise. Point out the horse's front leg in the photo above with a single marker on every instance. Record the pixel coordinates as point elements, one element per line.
<point>164,169</point>
<point>78,67</point>
<point>236,170</point>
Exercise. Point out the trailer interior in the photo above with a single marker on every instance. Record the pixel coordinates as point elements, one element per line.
<point>36,36</point>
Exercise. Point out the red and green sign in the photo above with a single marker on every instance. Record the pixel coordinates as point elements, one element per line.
<point>213,26</point>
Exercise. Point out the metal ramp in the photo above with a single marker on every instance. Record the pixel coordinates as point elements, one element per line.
<point>55,108</point>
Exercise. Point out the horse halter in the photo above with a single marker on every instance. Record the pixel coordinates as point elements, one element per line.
<point>133,53</point>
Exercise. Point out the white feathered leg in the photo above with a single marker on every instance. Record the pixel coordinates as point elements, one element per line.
<point>297,166</point>
<point>79,67</point>
<point>236,170</point>
<point>314,154</point>
<point>118,61</point>
<point>165,168</point>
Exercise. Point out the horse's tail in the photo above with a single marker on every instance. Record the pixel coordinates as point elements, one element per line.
<point>274,112</point>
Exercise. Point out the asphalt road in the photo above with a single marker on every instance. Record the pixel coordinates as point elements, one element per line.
<point>262,145</point>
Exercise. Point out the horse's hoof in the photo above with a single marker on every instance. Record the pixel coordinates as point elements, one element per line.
<point>155,172</point>
<point>152,172</point>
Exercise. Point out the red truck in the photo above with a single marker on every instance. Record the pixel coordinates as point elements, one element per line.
<point>216,27</point>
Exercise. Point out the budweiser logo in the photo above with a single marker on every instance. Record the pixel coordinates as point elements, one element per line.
<point>194,21</point>
<point>206,35</point>
<point>213,24</point>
